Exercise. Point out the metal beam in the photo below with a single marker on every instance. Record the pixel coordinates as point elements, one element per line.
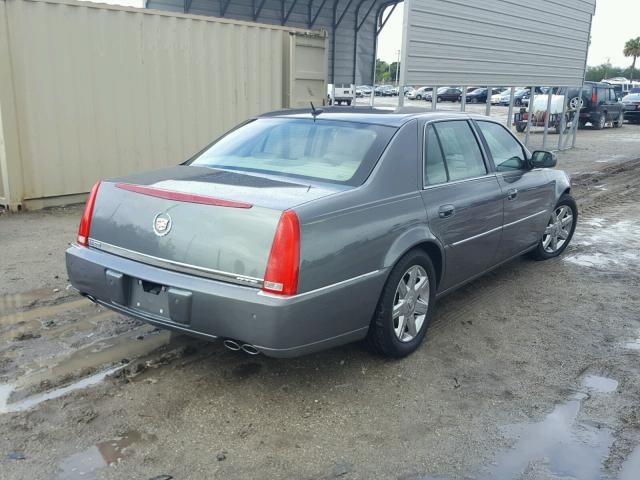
<point>356,28</point>
<point>286,17</point>
<point>256,13</point>
<point>384,22</point>
<point>223,7</point>
<point>187,6</point>
<point>344,12</point>
<point>315,17</point>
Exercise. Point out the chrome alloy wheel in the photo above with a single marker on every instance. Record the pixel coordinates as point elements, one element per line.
<point>557,232</point>
<point>411,303</point>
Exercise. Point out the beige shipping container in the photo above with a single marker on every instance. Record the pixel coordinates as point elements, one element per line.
<point>90,91</point>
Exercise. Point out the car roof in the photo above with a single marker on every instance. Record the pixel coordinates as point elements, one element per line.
<point>374,116</point>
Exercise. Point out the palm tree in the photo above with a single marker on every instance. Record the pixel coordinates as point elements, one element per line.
<point>632,49</point>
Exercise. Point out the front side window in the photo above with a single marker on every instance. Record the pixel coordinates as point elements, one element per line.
<point>325,150</point>
<point>460,149</point>
<point>507,153</point>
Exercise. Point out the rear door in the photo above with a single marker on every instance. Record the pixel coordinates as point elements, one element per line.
<point>527,195</point>
<point>463,199</point>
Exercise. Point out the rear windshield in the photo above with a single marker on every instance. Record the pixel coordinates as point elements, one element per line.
<point>333,151</point>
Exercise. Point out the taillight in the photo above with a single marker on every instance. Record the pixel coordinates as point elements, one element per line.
<point>281,276</point>
<point>594,97</point>
<point>85,221</point>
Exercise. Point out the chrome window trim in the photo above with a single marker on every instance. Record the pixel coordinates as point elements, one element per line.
<point>493,230</point>
<point>176,266</point>
<point>464,180</point>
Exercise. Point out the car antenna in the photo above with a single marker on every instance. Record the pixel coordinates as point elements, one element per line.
<point>314,112</point>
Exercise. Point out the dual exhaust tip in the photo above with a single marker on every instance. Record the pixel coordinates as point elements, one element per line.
<point>236,346</point>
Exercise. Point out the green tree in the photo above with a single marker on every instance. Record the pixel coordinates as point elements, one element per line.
<point>382,67</point>
<point>632,49</point>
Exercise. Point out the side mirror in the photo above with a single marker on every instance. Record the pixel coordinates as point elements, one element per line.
<point>543,159</point>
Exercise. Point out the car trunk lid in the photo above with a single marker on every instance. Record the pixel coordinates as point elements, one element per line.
<point>199,220</point>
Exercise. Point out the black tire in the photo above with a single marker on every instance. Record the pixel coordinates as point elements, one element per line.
<point>618,123</point>
<point>474,100</point>
<point>517,102</point>
<point>439,99</point>
<point>540,253</point>
<point>381,337</point>
<point>418,97</point>
<point>348,103</point>
<point>600,122</point>
<point>520,128</point>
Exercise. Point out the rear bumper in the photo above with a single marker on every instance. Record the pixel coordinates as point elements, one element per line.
<point>276,326</point>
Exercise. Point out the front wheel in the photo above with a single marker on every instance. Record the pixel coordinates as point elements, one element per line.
<point>405,307</point>
<point>559,231</point>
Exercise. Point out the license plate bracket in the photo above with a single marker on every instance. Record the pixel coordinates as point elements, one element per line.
<point>169,303</point>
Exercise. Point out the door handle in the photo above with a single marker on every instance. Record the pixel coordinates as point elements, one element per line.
<point>446,211</point>
<point>512,194</point>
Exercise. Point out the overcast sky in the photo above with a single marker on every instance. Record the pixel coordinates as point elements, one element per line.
<point>615,22</point>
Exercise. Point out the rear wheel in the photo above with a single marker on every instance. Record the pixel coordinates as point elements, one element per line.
<point>439,99</point>
<point>405,307</point>
<point>618,123</point>
<point>559,231</point>
<point>520,127</point>
<point>348,103</point>
<point>474,100</point>
<point>600,122</point>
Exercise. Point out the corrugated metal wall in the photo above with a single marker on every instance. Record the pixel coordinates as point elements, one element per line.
<point>496,42</point>
<point>104,91</point>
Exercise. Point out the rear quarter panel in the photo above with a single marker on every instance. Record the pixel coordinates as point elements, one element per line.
<point>367,228</point>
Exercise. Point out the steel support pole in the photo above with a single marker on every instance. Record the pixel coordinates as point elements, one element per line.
<point>487,108</point>
<point>576,117</point>
<point>546,119</point>
<point>434,98</point>
<point>353,94</point>
<point>400,96</point>
<point>463,99</point>
<point>532,95</point>
<point>563,120</point>
<point>510,114</point>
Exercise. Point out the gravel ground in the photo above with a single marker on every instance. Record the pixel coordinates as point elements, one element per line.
<point>530,372</point>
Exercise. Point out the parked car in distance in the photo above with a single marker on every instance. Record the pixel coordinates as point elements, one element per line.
<point>599,104</point>
<point>420,93</point>
<point>445,94</point>
<point>344,94</point>
<point>408,91</point>
<point>479,95</point>
<point>383,91</point>
<point>631,105</point>
<point>366,90</point>
<point>258,240</point>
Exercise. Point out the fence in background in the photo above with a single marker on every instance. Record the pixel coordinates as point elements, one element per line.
<point>90,91</point>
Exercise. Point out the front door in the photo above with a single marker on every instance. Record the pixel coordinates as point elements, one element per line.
<point>463,200</point>
<point>528,195</point>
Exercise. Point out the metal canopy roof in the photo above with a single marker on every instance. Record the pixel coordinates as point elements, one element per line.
<point>353,26</point>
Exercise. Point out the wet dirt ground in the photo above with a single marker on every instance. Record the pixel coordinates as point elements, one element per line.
<point>531,372</point>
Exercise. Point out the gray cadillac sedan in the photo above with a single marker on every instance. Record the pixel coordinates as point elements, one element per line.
<point>302,230</point>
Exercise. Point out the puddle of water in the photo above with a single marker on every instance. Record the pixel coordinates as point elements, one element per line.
<point>100,353</point>
<point>631,466</point>
<point>633,345</point>
<point>44,311</point>
<point>86,464</point>
<point>29,402</point>
<point>600,384</point>
<point>561,444</point>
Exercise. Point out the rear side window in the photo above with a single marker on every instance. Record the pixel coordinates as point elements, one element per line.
<point>460,150</point>
<point>435,170</point>
<point>507,153</point>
